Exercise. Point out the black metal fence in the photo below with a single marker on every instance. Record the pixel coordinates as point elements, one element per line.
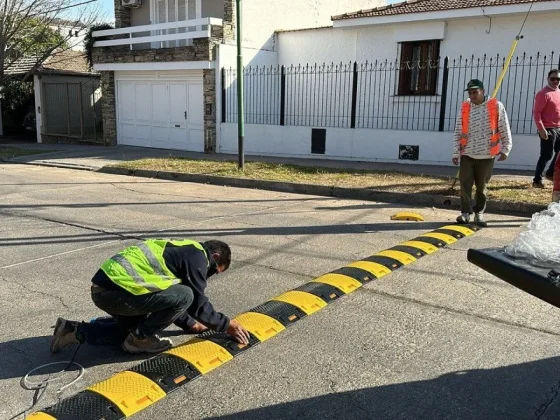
<point>366,95</point>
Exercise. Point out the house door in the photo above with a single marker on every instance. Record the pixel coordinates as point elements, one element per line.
<point>174,11</point>
<point>161,114</point>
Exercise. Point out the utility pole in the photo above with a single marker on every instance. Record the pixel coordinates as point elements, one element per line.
<point>240,113</point>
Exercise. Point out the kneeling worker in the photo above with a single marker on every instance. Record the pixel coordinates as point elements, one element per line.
<point>146,288</point>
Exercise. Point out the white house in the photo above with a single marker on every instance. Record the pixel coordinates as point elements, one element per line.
<point>387,101</point>
<point>160,67</point>
<point>73,32</point>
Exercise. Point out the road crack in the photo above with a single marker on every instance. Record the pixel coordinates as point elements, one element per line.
<point>550,397</point>
<point>28,289</point>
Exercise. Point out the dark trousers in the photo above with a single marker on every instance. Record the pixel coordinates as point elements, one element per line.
<point>475,172</point>
<point>549,147</point>
<point>146,315</point>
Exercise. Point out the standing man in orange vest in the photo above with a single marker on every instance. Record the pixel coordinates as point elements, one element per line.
<point>482,132</point>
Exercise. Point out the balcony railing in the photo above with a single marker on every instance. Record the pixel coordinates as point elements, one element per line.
<point>161,35</point>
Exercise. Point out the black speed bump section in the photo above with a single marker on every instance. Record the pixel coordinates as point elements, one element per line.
<point>415,252</point>
<point>168,371</point>
<point>85,405</point>
<point>223,339</point>
<point>325,291</point>
<point>388,262</point>
<point>130,391</point>
<point>283,312</point>
<point>359,274</point>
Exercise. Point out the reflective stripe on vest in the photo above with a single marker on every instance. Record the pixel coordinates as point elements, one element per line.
<point>141,269</point>
<point>492,106</point>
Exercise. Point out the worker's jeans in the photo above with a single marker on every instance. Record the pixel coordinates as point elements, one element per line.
<point>477,172</point>
<point>146,315</point>
<point>549,147</point>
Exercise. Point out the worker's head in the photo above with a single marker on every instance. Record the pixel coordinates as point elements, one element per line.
<point>553,78</point>
<point>220,253</point>
<point>475,88</point>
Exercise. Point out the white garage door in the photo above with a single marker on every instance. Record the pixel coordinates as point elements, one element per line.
<point>166,114</point>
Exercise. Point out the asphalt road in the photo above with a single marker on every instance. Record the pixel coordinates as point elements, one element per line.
<point>439,339</point>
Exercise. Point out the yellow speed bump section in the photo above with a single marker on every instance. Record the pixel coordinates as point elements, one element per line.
<point>400,256</point>
<point>129,391</point>
<point>424,246</point>
<point>203,354</point>
<point>374,268</point>
<point>39,416</point>
<point>344,283</point>
<point>261,326</point>
<point>461,229</point>
<point>407,216</point>
<point>307,302</point>
<point>448,239</point>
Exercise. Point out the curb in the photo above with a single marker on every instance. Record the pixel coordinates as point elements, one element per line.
<point>427,200</point>
<point>51,164</point>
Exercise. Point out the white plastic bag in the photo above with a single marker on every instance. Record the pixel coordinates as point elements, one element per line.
<point>540,243</point>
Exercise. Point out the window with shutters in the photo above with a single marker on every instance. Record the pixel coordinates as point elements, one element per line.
<point>174,11</point>
<point>418,68</point>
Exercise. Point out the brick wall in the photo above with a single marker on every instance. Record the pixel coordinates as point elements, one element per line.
<point>229,22</point>
<point>109,108</point>
<point>209,92</point>
<point>122,15</point>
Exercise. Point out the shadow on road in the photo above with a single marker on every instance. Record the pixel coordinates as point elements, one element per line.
<point>523,391</point>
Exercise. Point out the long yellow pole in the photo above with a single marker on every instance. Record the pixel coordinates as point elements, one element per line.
<point>506,66</point>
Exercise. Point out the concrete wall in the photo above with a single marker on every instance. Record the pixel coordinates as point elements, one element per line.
<point>460,37</point>
<point>213,8</point>
<point>262,17</point>
<point>364,145</point>
<point>141,15</point>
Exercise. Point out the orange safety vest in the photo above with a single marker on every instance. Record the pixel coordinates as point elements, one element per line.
<point>492,105</point>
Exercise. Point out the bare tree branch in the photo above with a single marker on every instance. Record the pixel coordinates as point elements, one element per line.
<point>24,21</point>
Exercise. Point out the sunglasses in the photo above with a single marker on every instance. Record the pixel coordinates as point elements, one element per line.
<point>554,79</point>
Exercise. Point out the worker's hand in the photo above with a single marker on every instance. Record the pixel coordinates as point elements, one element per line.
<point>197,328</point>
<point>240,334</point>
<point>502,157</point>
<point>543,134</point>
<point>455,161</point>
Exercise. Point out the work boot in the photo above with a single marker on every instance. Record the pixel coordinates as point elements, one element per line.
<point>538,184</point>
<point>152,344</point>
<point>64,334</point>
<point>479,220</point>
<point>464,218</point>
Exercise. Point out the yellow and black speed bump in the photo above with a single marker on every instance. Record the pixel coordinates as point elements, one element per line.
<point>131,391</point>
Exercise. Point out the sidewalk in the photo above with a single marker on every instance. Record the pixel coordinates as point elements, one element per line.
<point>96,157</point>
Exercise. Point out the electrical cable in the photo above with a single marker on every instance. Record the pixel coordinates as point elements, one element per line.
<point>40,387</point>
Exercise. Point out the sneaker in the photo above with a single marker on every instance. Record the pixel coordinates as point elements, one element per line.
<point>538,184</point>
<point>64,334</point>
<point>463,218</point>
<point>153,344</point>
<point>549,177</point>
<point>479,220</point>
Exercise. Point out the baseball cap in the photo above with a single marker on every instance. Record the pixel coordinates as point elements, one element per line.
<point>475,84</point>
